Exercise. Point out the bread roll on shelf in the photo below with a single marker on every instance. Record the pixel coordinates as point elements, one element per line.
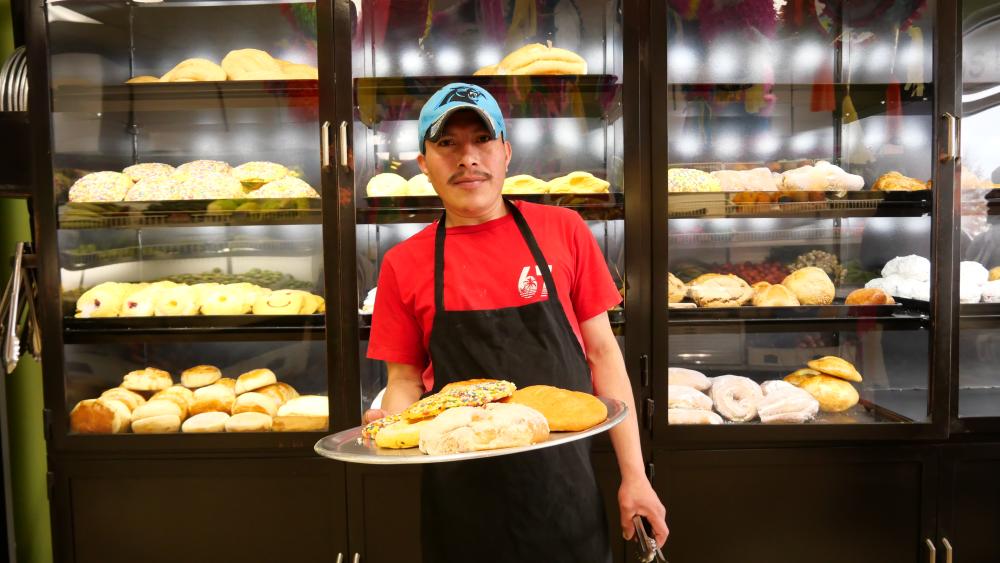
<point>681,397</point>
<point>692,416</point>
<point>200,376</point>
<point>217,397</point>
<point>99,416</point>
<point>255,402</point>
<point>689,378</point>
<point>158,407</point>
<point>249,422</point>
<point>205,422</point>
<point>254,379</point>
<point>148,379</point>
<point>160,424</point>
<point>131,399</point>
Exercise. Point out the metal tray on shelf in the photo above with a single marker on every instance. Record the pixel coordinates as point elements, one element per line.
<point>602,206</point>
<point>681,205</point>
<point>350,447</point>
<point>189,213</point>
<point>838,310</point>
<point>221,327</point>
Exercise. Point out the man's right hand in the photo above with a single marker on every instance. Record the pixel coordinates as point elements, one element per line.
<point>371,415</point>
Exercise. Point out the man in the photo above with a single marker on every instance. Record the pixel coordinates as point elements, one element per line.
<point>508,291</point>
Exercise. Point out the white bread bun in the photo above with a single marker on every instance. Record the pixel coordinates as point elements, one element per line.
<point>99,416</point>
<point>161,424</point>
<point>682,397</point>
<point>254,379</point>
<point>130,398</point>
<point>497,425</point>
<point>692,416</point>
<point>811,286</point>
<point>255,402</point>
<point>217,397</point>
<point>200,376</point>
<point>149,379</point>
<point>157,408</point>
<point>306,405</point>
<point>281,392</point>
<point>185,395</point>
<point>206,422</point>
<point>300,423</point>
<point>249,422</point>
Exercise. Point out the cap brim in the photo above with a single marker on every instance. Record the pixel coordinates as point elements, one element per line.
<point>436,128</point>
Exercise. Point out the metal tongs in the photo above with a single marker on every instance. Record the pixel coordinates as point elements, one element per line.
<point>15,326</point>
<point>648,552</point>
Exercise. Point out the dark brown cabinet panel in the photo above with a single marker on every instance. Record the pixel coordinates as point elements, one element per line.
<point>970,497</point>
<point>789,506</point>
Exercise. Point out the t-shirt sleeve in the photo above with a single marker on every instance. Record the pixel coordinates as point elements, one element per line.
<point>594,290</point>
<point>396,335</point>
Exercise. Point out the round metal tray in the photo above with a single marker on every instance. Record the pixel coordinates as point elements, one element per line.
<point>350,447</point>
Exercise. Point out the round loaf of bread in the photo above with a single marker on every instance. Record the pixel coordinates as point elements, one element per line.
<point>255,402</point>
<point>228,382</point>
<point>244,64</point>
<point>131,399</point>
<point>306,405</point>
<point>99,416</point>
<point>217,397</point>
<point>195,70</point>
<point>524,184</point>
<point>564,410</point>
<point>200,376</point>
<point>994,273</point>
<point>254,379</point>
<point>837,367</point>
<point>157,408</point>
<point>149,379</point>
<point>721,291</point>
<point>536,59</point>
<point>775,296</point>
<point>578,182</point>
<point>281,392</point>
<point>100,186</point>
<point>206,422</point>
<point>161,424</point>
<point>688,378</point>
<point>811,285</point>
<point>249,422</point>
<point>183,402</point>
<point>386,184</point>
<point>834,394</point>
<point>869,296</point>
<point>497,425</point>
<point>800,375</point>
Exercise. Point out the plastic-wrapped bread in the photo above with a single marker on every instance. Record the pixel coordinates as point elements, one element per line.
<point>911,267</point>
<point>692,416</point>
<point>681,397</point>
<point>755,180</point>
<point>736,397</point>
<point>822,176</point>
<point>688,378</point>
<point>785,403</point>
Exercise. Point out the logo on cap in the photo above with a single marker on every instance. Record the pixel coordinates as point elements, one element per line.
<point>461,94</point>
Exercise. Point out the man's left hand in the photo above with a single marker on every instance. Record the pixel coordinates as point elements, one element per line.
<point>636,496</point>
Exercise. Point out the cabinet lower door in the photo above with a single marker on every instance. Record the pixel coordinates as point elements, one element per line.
<point>970,498</point>
<point>796,506</point>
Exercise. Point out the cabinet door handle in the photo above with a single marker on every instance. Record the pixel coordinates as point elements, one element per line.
<point>357,558</point>
<point>342,140</point>
<point>951,137</point>
<point>931,551</point>
<point>340,558</point>
<point>947,550</point>
<point>324,150</point>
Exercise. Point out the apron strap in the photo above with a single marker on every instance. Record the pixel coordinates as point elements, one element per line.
<point>526,234</point>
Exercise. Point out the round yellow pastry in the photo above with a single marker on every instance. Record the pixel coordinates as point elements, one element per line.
<point>210,185</point>
<point>310,303</point>
<point>280,302</point>
<point>287,187</point>
<point>386,184</point>
<point>691,180</point>
<point>811,285</point>
<point>101,301</point>
<point>834,394</point>
<point>488,70</point>
<point>176,301</point>
<point>250,292</point>
<point>240,64</point>
<point>196,167</point>
<point>400,435</point>
<point>158,188</point>
<point>295,71</point>
<point>100,186</point>
<point>223,300</point>
<point>142,303</point>
<point>774,296</point>
<point>195,70</point>
<point>676,290</point>
<point>578,183</point>
<point>524,184</point>
<point>995,273</point>
<point>837,367</point>
<point>800,375</point>
<point>146,170</point>
<point>420,185</point>
<point>255,174</point>
<point>541,59</point>
<point>142,79</point>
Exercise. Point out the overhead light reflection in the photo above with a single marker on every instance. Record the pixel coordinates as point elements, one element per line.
<point>687,145</point>
<point>449,61</point>
<point>767,144</point>
<point>412,63</point>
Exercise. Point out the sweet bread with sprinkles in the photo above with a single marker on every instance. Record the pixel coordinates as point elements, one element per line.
<point>474,395</point>
<point>100,186</point>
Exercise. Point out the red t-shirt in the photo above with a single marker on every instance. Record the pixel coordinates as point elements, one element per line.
<point>487,266</point>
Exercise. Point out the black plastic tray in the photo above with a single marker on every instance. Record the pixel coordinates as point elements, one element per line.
<point>219,327</point>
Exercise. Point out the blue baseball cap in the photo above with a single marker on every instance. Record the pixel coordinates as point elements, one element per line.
<point>455,97</point>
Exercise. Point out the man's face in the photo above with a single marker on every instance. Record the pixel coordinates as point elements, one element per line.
<point>466,166</point>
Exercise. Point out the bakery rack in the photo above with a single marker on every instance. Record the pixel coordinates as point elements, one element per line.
<point>425,209</point>
<point>201,328</point>
<point>802,315</point>
<point>194,213</point>
<point>74,260</point>
<point>684,205</point>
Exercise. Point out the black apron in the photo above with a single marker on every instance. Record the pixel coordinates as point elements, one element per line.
<point>542,506</point>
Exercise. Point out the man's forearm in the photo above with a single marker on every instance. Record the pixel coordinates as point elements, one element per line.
<point>611,380</point>
<point>404,387</point>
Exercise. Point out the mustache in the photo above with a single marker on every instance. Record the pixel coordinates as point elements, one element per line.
<point>469,176</point>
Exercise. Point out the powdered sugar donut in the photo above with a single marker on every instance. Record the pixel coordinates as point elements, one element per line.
<point>736,397</point>
<point>910,267</point>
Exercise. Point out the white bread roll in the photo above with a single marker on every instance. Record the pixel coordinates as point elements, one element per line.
<point>130,398</point>
<point>497,425</point>
<point>692,416</point>
<point>281,392</point>
<point>254,379</point>
<point>157,408</point>
<point>217,397</point>
<point>206,422</point>
<point>255,402</point>
<point>306,405</point>
<point>99,416</point>
<point>688,378</point>
<point>200,376</point>
<point>248,422</point>
<point>683,397</point>
<point>161,424</point>
<point>183,396</point>
<point>148,379</point>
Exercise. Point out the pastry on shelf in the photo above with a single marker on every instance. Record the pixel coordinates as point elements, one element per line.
<point>800,375</point>
<point>281,392</point>
<point>754,180</point>
<point>578,183</point>
<point>972,277</point>
<point>896,182</point>
<point>255,379</point>
<point>776,295</point>
<point>487,70</point>
<point>99,416</point>
<point>368,305</point>
<point>257,173</point>
<point>100,186</point>
<point>991,292</point>
<point>177,394</point>
<point>837,367</point>
<point>177,301</point>
<point>811,286</point>
<point>736,397</point>
<point>142,79</point>
<point>288,187</point>
<point>255,402</point>
<point>420,185</point>
<point>683,397</point>
<point>691,180</point>
<point>298,71</point>
<point>251,64</point>
<point>147,379</point>
<point>720,291</point>
<point>834,394</point>
<point>249,422</point>
<point>194,70</point>
<point>906,277</point>
<point>196,167</point>
<point>692,416</point>
<point>224,300</point>
<point>784,403</point>
<point>308,413</point>
<point>524,184</point>
<point>822,176</point>
<point>281,302</point>
<point>210,185</point>
<point>147,170</point>
<point>205,422</point>
<point>217,397</point>
<point>869,296</point>
<point>676,289</point>
<point>535,58</point>
<point>159,188</point>
<point>130,399</point>
<point>386,184</point>
<point>102,300</point>
<point>688,378</point>
<point>200,376</point>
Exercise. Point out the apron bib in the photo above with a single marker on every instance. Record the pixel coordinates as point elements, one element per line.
<point>541,506</point>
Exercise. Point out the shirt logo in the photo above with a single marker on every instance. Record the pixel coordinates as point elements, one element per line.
<point>527,284</point>
<point>461,94</point>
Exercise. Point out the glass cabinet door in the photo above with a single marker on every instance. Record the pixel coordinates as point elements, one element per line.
<point>979,228</point>
<point>792,217</point>
<point>565,123</point>
<point>190,233</point>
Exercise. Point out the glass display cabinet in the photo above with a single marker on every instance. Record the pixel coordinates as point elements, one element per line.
<point>566,126</point>
<point>792,217</point>
<point>188,218</point>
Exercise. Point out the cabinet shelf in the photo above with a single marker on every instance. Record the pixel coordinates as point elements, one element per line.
<point>617,318</point>
<point>685,205</point>
<point>77,260</point>
<point>186,96</point>
<point>400,98</point>
<point>818,314</point>
<point>220,328</point>
<point>426,209</point>
<point>194,213</point>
